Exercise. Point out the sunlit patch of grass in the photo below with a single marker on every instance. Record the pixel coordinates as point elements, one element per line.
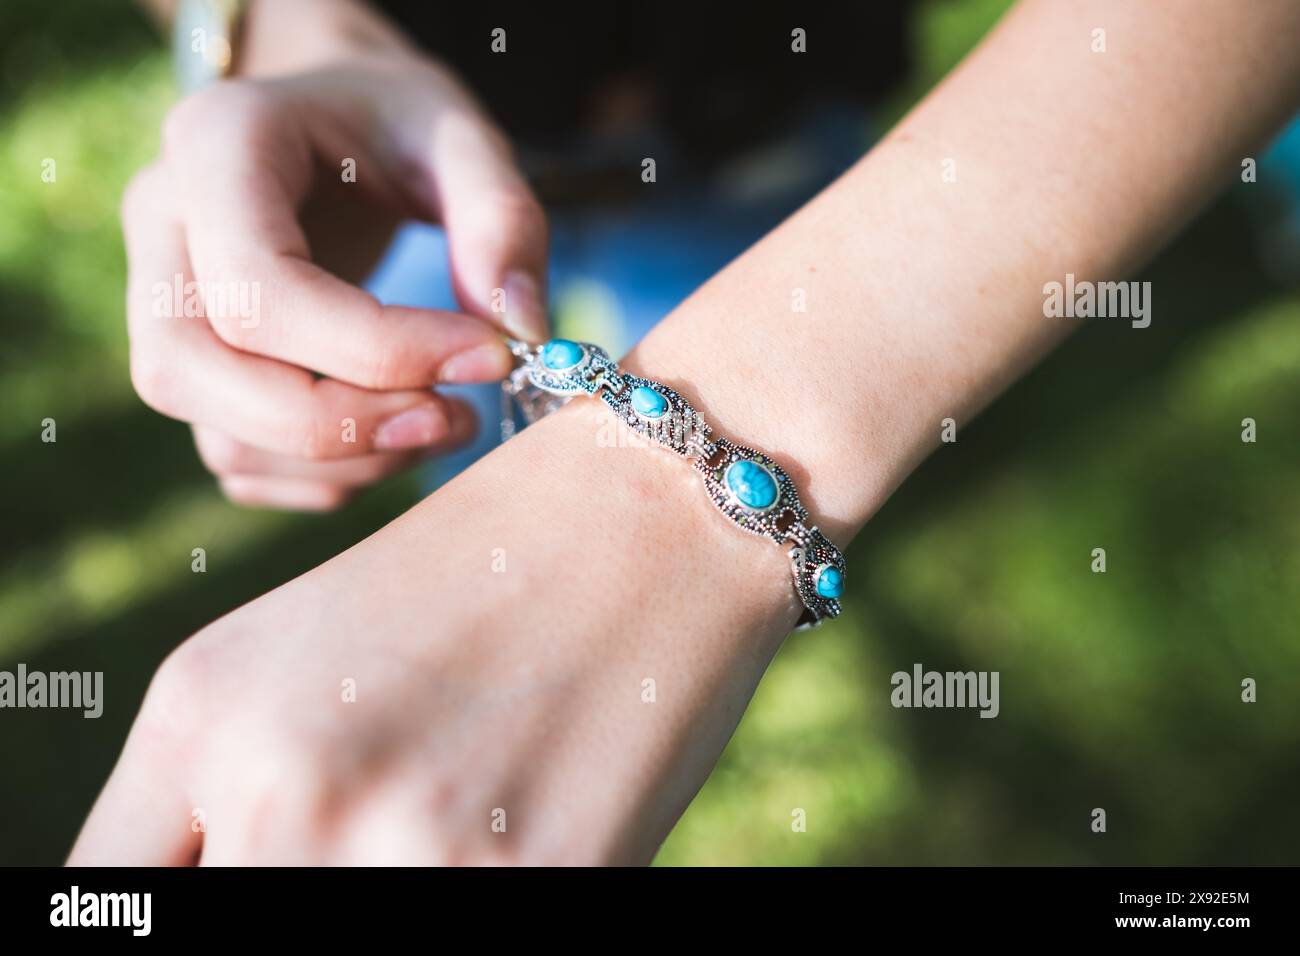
<point>101,573</point>
<point>801,748</point>
<point>62,238</point>
<point>61,258</point>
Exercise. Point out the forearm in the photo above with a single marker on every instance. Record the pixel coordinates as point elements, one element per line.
<point>925,297</point>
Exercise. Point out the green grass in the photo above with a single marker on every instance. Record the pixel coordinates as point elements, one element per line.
<point>1118,690</point>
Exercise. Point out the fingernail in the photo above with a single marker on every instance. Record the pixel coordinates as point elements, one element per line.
<point>525,311</point>
<point>413,428</point>
<point>482,363</point>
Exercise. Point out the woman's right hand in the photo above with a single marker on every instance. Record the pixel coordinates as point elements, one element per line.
<point>300,386</point>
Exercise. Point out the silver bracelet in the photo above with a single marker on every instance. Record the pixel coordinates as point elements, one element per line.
<point>745,485</point>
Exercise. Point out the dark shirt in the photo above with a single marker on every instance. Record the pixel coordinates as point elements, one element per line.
<point>717,81</point>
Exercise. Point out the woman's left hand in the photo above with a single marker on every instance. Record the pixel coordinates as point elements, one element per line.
<point>538,664</point>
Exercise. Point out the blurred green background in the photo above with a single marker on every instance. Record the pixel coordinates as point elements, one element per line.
<point>1119,690</point>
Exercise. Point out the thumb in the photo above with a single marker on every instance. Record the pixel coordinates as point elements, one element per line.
<point>496,228</point>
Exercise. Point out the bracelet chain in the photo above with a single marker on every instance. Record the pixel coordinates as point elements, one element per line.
<point>747,486</point>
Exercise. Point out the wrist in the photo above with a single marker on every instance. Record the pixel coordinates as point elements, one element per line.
<point>768,381</point>
<point>279,37</point>
<point>595,518</point>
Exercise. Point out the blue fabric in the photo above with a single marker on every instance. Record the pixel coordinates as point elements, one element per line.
<point>1273,201</point>
<point>615,272</point>
<point>1280,165</point>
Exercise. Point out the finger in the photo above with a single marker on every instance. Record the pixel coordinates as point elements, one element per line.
<point>142,817</point>
<point>270,812</point>
<point>243,163</point>
<point>226,456</point>
<point>181,368</point>
<point>496,229</point>
<point>284,494</point>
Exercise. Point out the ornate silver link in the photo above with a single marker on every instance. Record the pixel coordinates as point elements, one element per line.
<point>521,350</point>
<point>798,533</point>
<point>812,559</point>
<point>699,445</point>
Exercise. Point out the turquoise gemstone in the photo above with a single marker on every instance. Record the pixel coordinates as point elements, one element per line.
<point>830,582</point>
<point>648,403</point>
<point>561,354</point>
<point>752,484</point>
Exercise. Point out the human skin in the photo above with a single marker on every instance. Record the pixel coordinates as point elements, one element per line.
<point>521,690</point>
<point>252,192</point>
